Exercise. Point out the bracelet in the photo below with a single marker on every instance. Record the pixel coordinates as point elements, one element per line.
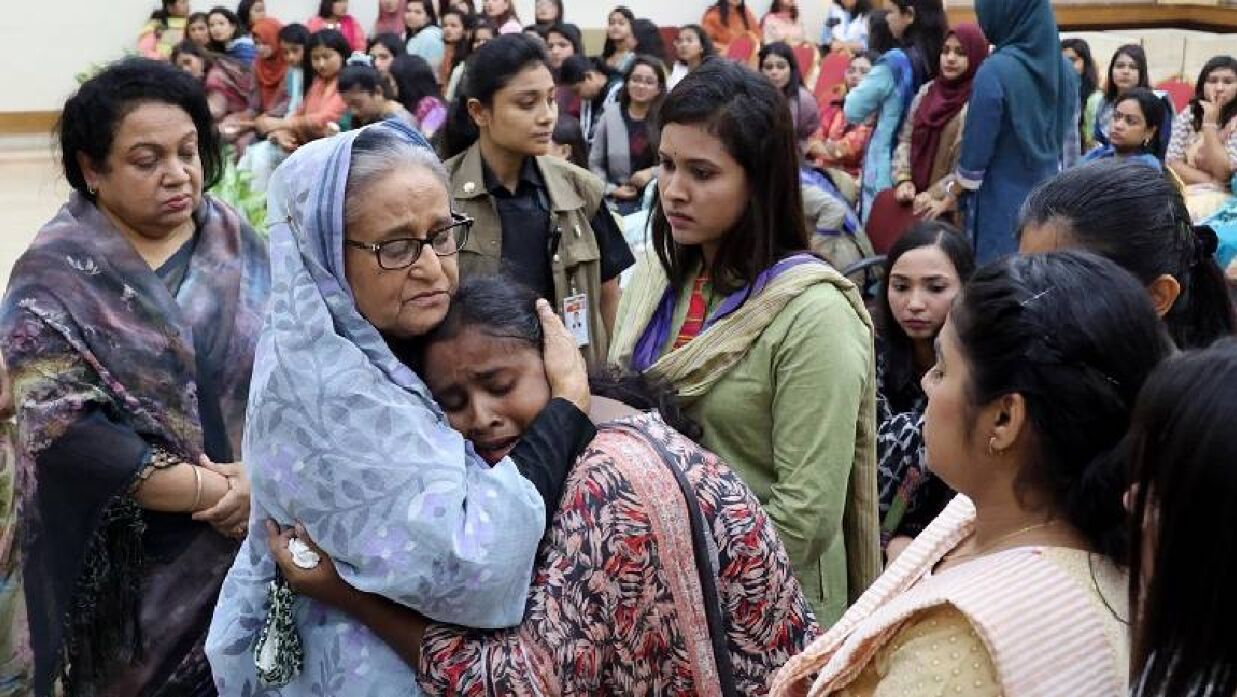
<point>197,496</point>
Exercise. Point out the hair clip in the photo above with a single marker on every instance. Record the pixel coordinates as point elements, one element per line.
<point>358,58</point>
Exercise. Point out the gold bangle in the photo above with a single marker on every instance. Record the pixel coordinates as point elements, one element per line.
<point>197,496</point>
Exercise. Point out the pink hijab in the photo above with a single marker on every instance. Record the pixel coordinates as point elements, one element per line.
<point>391,22</point>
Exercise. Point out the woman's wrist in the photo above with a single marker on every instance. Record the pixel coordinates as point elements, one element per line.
<point>214,487</point>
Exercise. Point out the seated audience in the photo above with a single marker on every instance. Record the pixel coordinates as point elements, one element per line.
<point>383,49</point>
<point>596,88</point>
<point>1090,96</point>
<point>423,35</point>
<point>547,13</point>
<point>230,80</point>
<point>1203,150</point>
<point>1182,455</point>
<point>1020,586</point>
<point>268,95</point>
<point>192,59</point>
<point>365,92</point>
<point>924,272</point>
<point>841,145</point>
<point>390,17</point>
<point>250,12</point>
<point>562,42</point>
<point>1137,117</point>
<point>568,141</point>
<point>782,23</point>
<point>726,21</point>
<point>692,47</point>
<point>1136,217</point>
<point>333,15</point>
<point>624,149</point>
<point>197,29</point>
<point>417,90</point>
<point>164,31</point>
<point>642,610</point>
<point>930,142</point>
<point>778,63</point>
<point>456,37</point>
<point>480,35</point>
<point>502,16</point>
<point>227,39</point>
<point>846,26</point>
<point>620,47</point>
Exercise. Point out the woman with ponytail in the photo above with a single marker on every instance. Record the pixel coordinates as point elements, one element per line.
<point>1136,217</point>
<point>1036,374</point>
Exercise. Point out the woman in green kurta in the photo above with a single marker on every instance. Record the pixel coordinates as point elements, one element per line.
<point>769,347</point>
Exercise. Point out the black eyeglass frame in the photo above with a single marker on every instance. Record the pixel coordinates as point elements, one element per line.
<point>459,221</point>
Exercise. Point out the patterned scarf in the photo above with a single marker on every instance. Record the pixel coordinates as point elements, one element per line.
<point>87,327</point>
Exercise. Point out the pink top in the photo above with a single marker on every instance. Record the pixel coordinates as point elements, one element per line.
<point>347,26</point>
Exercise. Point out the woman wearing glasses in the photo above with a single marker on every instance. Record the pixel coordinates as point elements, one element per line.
<point>344,438</point>
<point>538,217</point>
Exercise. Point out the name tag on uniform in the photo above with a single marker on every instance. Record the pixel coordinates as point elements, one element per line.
<point>575,316</point>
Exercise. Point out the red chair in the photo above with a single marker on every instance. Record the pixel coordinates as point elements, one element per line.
<point>889,219</point>
<point>832,77</point>
<point>807,56</point>
<point>668,37</point>
<point>1179,92</point>
<point>744,48</point>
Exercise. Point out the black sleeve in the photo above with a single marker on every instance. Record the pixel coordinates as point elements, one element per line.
<point>550,446</point>
<point>616,256</point>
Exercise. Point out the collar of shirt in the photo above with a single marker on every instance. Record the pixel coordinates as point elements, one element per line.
<point>530,180</point>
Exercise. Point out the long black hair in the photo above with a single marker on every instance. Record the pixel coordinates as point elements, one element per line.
<point>723,11</point>
<point>164,13</point>
<point>91,117</point>
<point>414,80</point>
<point>1154,114</point>
<point>1076,337</point>
<point>1136,217</point>
<point>501,307</point>
<point>330,38</point>
<point>431,18</point>
<point>326,8</point>
<point>750,117</point>
<point>610,48</point>
<point>707,49</point>
<point>1230,109</point>
<point>777,7</point>
<point>243,10</point>
<point>221,47</point>
<point>1182,453</point>
<point>488,70</point>
<point>782,50</point>
<point>1089,81</point>
<point>880,36</point>
<point>925,37</point>
<point>897,350</point>
<point>1136,53</point>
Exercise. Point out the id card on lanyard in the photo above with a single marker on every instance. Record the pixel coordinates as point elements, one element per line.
<point>575,306</point>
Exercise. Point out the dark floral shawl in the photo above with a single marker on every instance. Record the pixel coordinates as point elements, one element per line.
<point>100,351</point>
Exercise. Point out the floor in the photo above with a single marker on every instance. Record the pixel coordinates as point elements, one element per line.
<point>31,190</point>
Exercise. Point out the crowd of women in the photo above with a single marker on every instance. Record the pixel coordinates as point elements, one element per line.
<point>443,428</point>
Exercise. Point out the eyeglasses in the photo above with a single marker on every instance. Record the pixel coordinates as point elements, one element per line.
<point>403,252</point>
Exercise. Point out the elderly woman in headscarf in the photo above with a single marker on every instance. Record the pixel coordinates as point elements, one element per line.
<point>1021,124</point>
<point>345,438</point>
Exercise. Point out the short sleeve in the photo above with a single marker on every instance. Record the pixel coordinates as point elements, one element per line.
<point>938,648</point>
<point>616,256</point>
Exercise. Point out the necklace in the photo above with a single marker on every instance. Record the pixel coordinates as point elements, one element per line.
<point>997,542</point>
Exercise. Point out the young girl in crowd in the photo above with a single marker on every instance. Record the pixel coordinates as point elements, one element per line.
<point>1019,586</point>
<point>333,15</point>
<point>691,48</point>
<point>1126,70</point>
<point>455,39</point>
<point>502,16</point>
<point>924,271</point>
<point>1136,217</point>
<point>193,60</point>
<point>883,96</point>
<point>846,26</point>
<point>227,39</point>
<point>726,21</point>
<point>1203,150</point>
<point>631,501</point>
<point>778,63</point>
<point>543,220</point>
<point>1090,96</point>
<point>624,150</point>
<point>364,90</point>
<point>919,27</point>
<point>390,17</point>
<point>250,12</point>
<point>930,141</point>
<point>423,34</point>
<point>620,46</point>
<point>268,95</point>
<point>841,144</point>
<point>547,13</point>
<point>383,49</point>
<point>1182,454</point>
<point>197,29</point>
<point>1020,124</point>
<point>782,23</point>
<point>769,347</point>
<point>164,31</point>
<point>417,89</point>
<point>1137,117</point>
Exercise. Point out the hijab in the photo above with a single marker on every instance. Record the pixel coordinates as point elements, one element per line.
<point>943,100</point>
<point>269,72</point>
<point>1040,84</point>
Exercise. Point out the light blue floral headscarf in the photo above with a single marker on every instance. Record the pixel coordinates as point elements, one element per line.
<point>344,438</point>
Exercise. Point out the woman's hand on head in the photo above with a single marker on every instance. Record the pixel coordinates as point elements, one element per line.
<point>322,583</point>
<point>229,515</point>
<point>565,369</point>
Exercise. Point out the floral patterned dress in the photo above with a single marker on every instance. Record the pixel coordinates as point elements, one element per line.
<point>615,606</point>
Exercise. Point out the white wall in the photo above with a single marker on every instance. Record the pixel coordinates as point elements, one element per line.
<point>50,41</point>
